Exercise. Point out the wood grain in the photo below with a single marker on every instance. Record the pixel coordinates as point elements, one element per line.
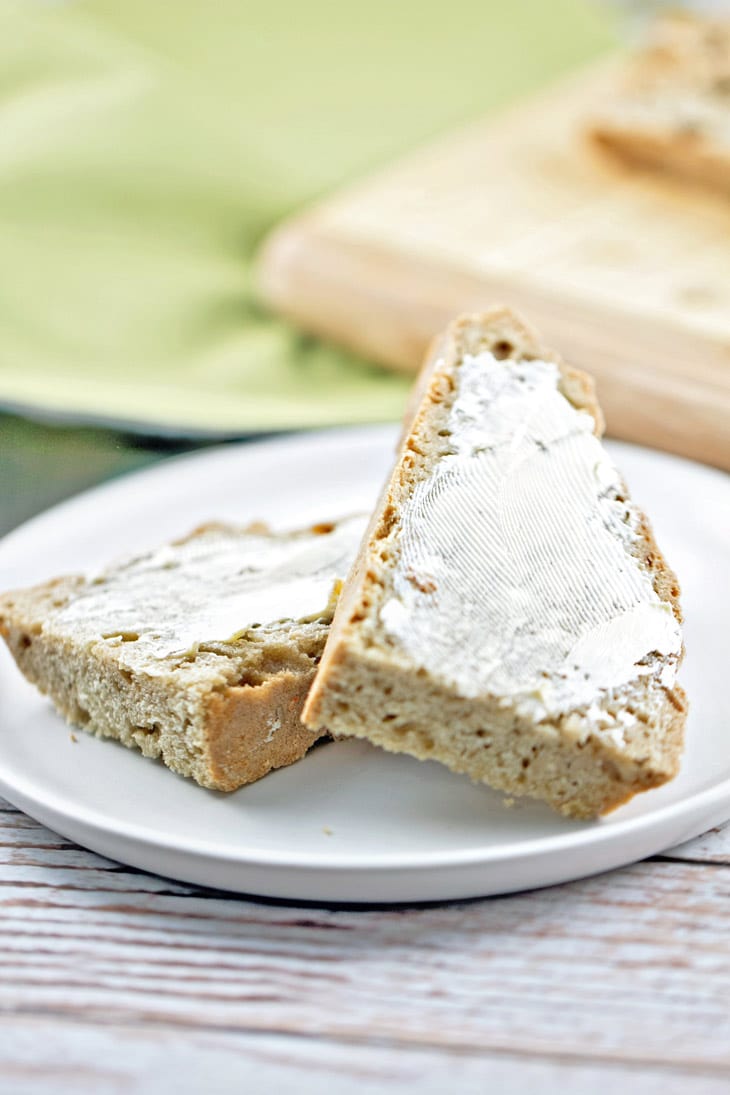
<point>627,275</point>
<point>115,980</point>
<point>113,1060</point>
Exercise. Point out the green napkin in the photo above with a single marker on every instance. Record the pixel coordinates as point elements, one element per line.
<point>145,150</point>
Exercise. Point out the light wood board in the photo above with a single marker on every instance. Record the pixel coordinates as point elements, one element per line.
<point>626,274</point>
<point>112,980</point>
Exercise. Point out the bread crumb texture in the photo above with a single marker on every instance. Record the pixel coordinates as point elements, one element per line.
<point>187,653</point>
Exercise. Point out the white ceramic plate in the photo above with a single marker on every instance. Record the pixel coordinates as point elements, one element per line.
<point>350,823</point>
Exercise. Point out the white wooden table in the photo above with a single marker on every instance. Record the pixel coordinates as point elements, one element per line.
<point>118,981</point>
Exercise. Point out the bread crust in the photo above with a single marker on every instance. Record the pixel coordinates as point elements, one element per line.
<point>251,730</point>
<point>577,778</point>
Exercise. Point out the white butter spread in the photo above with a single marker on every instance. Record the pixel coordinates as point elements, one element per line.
<point>515,574</point>
<point>210,588</point>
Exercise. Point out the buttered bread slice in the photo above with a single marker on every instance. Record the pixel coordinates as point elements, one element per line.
<point>200,653</point>
<point>510,614</point>
<point>672,111</point>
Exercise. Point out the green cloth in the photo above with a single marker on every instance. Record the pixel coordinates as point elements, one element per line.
<point>146,148</point>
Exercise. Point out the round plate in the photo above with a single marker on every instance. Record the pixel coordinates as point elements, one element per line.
<point>349,822</point>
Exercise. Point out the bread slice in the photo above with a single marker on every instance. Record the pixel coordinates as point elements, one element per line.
<point>673,114</point>
<point>200,653</point>
<point>510,614</point>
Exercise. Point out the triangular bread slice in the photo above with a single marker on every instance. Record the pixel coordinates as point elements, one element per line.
<point>510,614</point>
<point>672,112</point>
<point>200,653</point>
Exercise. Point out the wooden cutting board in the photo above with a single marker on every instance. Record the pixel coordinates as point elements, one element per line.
<point>628,275</point>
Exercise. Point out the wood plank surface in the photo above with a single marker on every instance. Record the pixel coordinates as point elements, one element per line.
<point>112,1060</point>
<point>115,980</point>
<point>627,274</point>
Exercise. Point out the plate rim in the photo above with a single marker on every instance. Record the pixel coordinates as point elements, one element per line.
<point>593,833</point>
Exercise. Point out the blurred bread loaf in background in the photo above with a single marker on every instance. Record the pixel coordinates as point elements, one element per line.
<point>673,112</point>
